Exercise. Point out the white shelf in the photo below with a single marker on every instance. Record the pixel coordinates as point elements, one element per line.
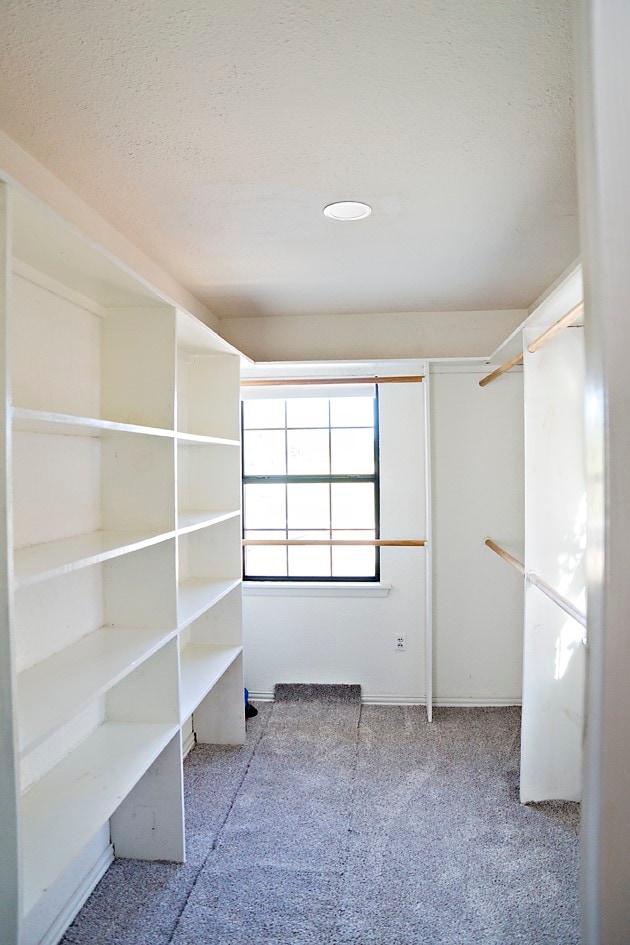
<point>197,595</point>
<point>201,667</point>
<point>196,439</point>
<point>39,562</point>
<point>191,520</point>
<point>555,302</point>
<point>43,240</point>
<point>42,421</point>
<point>54,690</point>
<point>196,338</point>
<point>63,810</point>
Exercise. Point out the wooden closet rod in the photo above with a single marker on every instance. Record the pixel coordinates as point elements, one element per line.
<point>502,369</point>
<point>564,322</point>
<point>557,327</point>
<point>313,381</point>
<point>558,599</point>
<point>374,542</point>
<point>502,553</point>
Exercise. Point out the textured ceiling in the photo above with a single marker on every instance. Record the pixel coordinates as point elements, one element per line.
<point>212,134</point>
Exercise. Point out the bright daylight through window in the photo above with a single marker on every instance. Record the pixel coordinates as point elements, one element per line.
<point>310,473</point>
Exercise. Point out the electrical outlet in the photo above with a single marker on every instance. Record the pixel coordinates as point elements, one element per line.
<point>400,642</point>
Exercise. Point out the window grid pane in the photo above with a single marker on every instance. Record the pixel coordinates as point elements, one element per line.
<point>305,413</point>
<point>263,414</point>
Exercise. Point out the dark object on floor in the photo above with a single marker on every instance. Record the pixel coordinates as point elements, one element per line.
<point>250,711</point>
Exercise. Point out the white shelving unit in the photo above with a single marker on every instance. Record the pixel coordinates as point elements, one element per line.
<point>121,581</point>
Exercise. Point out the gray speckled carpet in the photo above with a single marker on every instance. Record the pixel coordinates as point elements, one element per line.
<point>338,824</point>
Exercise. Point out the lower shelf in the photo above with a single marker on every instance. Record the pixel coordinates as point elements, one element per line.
<point>201,667</point>
<point>196,595</point>
<point>63,810</point>
<point>52,691</point>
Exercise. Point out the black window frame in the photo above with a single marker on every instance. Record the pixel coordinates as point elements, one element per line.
<point>287,479</point>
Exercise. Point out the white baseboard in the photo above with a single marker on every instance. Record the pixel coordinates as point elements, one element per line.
<point>476,702</point>
<point>379,698</point>
<point>77,900</point>
<point>376,698</point>
<point>188,744</point>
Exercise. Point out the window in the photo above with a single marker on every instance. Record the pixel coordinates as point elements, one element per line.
<point>310,472</point>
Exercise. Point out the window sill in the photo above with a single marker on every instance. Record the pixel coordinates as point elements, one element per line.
<point>314,589</point>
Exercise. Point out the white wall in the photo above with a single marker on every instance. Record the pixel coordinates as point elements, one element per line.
<point>333,639</point>
<point>355,337</point>
<point>478,600</point>
<point>477,472</point>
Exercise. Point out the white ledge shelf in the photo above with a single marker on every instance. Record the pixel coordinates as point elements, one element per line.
<point>201,667</point>
<point>63,810</point>
<point>194,337</point>
<point>192,520</point>
<point>64,424</point>
<point>315,589</point>
<point>52,558</point>
<point>197,595</point>
<point>51,692</point>
<point>198,439</point>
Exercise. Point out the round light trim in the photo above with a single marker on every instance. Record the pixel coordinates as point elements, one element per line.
<point>347,210</point>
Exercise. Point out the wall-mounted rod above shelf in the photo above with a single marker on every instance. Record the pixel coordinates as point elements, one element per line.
<point>538,582</point>
<point>569,319</point>
<point>502,369</point>
<point>558,599</point>
<point>511,560</point>
<point>374,542</point>
<point>316,381</point>
<point>571,316</point>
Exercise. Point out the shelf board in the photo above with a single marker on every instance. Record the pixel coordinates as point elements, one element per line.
<point>52,558</point>
<point>201,667</point>
<point>196,338</point>
<point>555,302</point>
<point>47,243</point>
<point>42,421</point>
<point>63,810</point>
<point>51,692</point>
<point>193,519</point>
<point>198,439</point>
<point>197,595</point>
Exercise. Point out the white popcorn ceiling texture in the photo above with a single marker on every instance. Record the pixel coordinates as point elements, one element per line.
<point>212,134</point>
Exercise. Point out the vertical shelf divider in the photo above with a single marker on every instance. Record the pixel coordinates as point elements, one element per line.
<point>208,405</point>
<point>149,824</point>
<point>10,892</point>
<point>219,719</point>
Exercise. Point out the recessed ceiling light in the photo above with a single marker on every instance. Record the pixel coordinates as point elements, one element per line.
<point>347,210</point>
